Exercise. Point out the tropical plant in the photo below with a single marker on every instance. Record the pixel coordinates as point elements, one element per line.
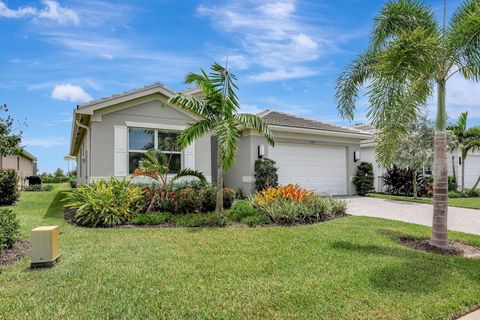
<point>240,210</point>
<point>218,113</point>
<point>265,174</point>
<point>399,181</point>
<point>9,228</point>
<point>9,193</point>
<point>466,140</point>
<point>290,192</point>
<point>416,149</point>
<point>104,203</point>
<point>364,178</point>
<point>408,53</point>
<point>156,165</point>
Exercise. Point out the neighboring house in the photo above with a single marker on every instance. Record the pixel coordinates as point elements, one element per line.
<point>24,163</point>
<point>472,163</point>
<point>109,136</point>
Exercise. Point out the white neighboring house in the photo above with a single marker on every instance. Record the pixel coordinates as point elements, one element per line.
<point>24,163</point>
<point>472,162</point>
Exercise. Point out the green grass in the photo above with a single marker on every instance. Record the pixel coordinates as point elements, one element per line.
<point>470,203</point>
<point>349,268</point>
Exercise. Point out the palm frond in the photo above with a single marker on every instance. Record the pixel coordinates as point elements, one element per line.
<point>463,39</point>
<point>190,103</point>
<point>252,121</point>
<point>402,16</point>
<point>189,173</point>
<point>228,137</point>
<point>225,81</point>
<point>350,81</point>
<point>193,132</point>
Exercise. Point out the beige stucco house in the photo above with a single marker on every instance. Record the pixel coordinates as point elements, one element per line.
<point>24,163</point>
<point>109,136</point>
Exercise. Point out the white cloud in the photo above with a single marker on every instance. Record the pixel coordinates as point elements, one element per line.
<point>69,92</point>
<point>51,10</point>
<point>47,142</point>
<point>271,35</point>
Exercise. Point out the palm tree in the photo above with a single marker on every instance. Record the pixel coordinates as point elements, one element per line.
<point>409,52</point>
<point>156,165</point>
<point>466,139</point>
<point>218,110</point>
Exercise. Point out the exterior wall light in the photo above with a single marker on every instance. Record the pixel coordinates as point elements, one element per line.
<point>261,151</point>
<point>356,156</point>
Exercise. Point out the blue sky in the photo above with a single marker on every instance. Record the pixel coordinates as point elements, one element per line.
<point>285,53</point>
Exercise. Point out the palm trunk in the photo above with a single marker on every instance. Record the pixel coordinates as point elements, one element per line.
<point>219,203</point>
<point>476,183</point>
<point>440,184</point>
<point>453,169</point>
<point>415,183</point>
<point>463,173</point>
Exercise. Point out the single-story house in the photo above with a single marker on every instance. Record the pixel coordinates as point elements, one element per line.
<point>24,163</point>
<point>472,162</point>
<point>109,136</point>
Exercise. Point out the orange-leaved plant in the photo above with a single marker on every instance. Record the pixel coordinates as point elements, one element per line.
<point>290,192</point>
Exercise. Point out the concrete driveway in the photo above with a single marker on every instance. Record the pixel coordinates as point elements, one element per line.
<point>459,219</point>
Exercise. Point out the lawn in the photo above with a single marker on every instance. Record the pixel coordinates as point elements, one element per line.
<point>471,203</point>
<point>349,268</point>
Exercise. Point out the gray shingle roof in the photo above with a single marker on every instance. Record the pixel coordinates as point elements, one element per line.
<point>278,118</point>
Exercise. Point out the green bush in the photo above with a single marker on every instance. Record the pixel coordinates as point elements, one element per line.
<point>455,194</point>
<point>364,178</point>
<point>241,209</point>
<point>452,183</point>
<point>265,174</point>
<point>200,220</point>
<point>9,228</point>
<point>152,218</point>
<point>72,182</point>
<point>472,193</point>
<point>255,220</point>
<point>39,187</point>
<point>311,210</point>
<point>9,192</point>
<point>104,203</point>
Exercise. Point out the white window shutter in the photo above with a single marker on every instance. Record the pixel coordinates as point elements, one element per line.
<point>189,156</point>
<point>120,151</point>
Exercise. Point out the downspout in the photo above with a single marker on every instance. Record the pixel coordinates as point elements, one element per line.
<point>88,148</point>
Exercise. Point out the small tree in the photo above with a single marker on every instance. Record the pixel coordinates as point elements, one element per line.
<point>416,149</point>
<point>265,174</point>
<point>364,178</point>
<point>9,142</point>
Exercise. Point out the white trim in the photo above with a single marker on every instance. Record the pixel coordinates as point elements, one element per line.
<point>147,125</point>
<point>120,151</point>
<point>320,132</point>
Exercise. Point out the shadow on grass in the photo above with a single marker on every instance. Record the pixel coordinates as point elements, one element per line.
<point>55,209</point>
<point>404,270</point>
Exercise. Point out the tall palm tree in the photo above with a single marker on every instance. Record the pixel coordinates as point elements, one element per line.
<point>218,111</point>
<point>466,140</point>
<point>409,52</point>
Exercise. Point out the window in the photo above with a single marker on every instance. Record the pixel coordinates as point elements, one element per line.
<point>142,140</point>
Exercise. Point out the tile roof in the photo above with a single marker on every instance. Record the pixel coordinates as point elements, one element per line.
<point>273,117</point>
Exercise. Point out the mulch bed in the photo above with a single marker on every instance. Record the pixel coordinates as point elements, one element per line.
<point>16,252</point>
<point>455,248</point>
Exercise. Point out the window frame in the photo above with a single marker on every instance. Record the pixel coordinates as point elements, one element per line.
<point>155,146</point>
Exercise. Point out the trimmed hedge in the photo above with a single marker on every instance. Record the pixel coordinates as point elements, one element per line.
<point>9,228</point>
<point>9,192</point>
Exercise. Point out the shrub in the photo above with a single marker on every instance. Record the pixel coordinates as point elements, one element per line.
<point>309,210</point>
<point>54,179</point>
<point>39,187</point>
<point>240,210</point>
<point>455,194</point>
<point>472,193</point>
<point>452,183</point>
<point>364,178</point>
<point>9,228</point>
<point>73,183</point>
<point>104,203</point>
<point>400,182</point>
<point>209,196</point>
<point>256,219</point>
<point>265,174</point>
<point>8,186</point>
<point>200,220</point>
<point>290,192</point>
<point>152,218</point>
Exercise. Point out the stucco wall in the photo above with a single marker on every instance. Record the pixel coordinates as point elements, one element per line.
<point>367,154</point>
<point>102,133</point>
<point>241,175</point>
<point>24,166</point>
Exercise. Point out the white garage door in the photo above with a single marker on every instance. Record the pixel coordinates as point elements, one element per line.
<point>319,168</point>
<point>472,169</point>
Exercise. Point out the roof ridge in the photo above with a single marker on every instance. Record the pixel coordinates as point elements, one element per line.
<point>264,112</point>
<point>124,93</point>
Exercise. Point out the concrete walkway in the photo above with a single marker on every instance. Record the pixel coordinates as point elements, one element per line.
<point>459,219</point>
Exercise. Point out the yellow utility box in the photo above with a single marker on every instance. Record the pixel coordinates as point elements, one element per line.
<point>45,246</point>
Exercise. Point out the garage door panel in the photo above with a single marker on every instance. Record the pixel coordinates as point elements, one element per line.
<point>320,168</point>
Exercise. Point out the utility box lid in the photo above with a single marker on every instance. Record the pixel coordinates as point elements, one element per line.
<point>46,228</point>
